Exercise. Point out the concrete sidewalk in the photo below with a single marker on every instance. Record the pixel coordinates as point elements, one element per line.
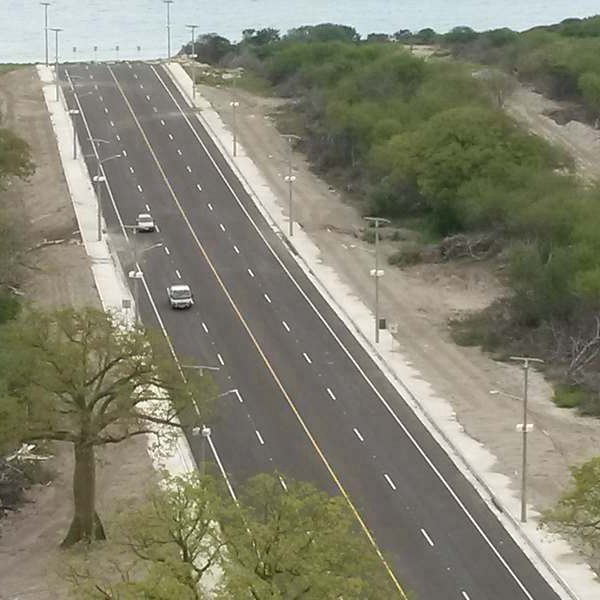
<point>561,566</point>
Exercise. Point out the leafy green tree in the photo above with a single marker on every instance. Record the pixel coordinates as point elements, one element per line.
<point>589,84</point>
<point>298,543</point>
<point>323,32</point>
<point>578,510</point>
<point>78,376</point>
<point>294,543</point>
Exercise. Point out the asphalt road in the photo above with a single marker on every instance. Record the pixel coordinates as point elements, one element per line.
<point>300,394</point>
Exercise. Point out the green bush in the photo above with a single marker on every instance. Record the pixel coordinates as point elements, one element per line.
<point>568,396</point>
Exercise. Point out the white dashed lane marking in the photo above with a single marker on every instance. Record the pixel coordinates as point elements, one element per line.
<point>178,273</point>
<point>188,168</point>
<point>155,109</point>
<point>162,122</point>
<point>358,434</point>
<point>167,250</point>
<point>250,273</point>
<point>222,226</point>
<point>198,186</point>
<point>147,97</point>
<point>131,170</point>
<point>210,206</point>
<point>390,482</point>
<point>331,394</point>
<point>118,137</point>
<point>179,152</point>
<point>140,188</point>
<point>135,76</point>
<point>204,327</point>
<point>285,326</point>
<point>112,123</point>
<point>262,442</point>
<point>101,98</point>
<point>267,298</point>
<point>236,249</point>
<point>465,595</point>
<point>147,207</point>
<point>307,358</point>
<point>426,536</point>
<point>106,110</point>
<point>170,136</point>
<point>283,484</point>
<point>221,360</point>
<point>124,153</point>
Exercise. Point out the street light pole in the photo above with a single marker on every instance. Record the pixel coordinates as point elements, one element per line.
<point>193,56</point>
<point>168,3</point>
<point>377,221</point>
<point>56,30</point>
<point>45,5</point>
<point>525,428</point>
<point>98,179</point>
<point>290,178</point>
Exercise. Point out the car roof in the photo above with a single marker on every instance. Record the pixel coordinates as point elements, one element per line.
<point>179,286</point>
<point>144,216</point>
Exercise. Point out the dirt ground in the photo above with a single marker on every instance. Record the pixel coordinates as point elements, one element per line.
<point>421,299</point>
<point>58,275</point>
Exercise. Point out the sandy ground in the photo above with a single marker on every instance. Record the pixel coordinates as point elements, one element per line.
<point>420,300</point>
<point>59,275</point>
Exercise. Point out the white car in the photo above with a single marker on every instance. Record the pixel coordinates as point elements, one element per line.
<point>145,222</point>
<point>180,296</point>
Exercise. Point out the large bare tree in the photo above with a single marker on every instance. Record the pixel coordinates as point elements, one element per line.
<point>79,376</point>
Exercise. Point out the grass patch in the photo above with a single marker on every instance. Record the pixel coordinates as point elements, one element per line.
<point>569,396</point>
<point>478,329</point>
<point>8,67</point>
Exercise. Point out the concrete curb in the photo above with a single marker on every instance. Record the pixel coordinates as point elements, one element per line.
<point>546,552</point>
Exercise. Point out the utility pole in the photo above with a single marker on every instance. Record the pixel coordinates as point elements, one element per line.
<point>376,272</point>
<point>46,5</point>
<point>73,112</point>
<point>193,57</point>
<point>168,3</point>
<point>524,428</point>
<point>56,30</point>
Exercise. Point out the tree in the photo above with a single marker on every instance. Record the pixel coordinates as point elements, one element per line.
<point>578,510</point>
<point>498,84</point>
<point>15,157</point>
<point>294,543</point>
<point>78,376</point>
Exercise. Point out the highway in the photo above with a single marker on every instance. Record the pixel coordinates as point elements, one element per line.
<point>301,396</point>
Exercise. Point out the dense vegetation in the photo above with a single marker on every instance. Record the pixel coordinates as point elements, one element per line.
<point>427,142</point>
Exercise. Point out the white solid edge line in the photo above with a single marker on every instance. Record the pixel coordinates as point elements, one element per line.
<point>151,299</point>
<point>331,394</point>
<point>260,439</point>
<point>390,482</point>
<point>239,396</point>
<point>285,326</point>
<point>307,358</point>
<point>358,434</point>
<point>426,536</point>
<point>409,435</point>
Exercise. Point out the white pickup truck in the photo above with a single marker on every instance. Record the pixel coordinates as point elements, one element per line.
<point>180,296</point>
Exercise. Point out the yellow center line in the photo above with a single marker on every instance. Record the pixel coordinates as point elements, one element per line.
<point>258,347</point>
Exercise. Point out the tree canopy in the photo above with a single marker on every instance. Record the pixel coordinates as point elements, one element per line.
<point>294,543</point>
<point>81,377</point>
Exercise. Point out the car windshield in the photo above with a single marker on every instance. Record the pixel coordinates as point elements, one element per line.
<point>180,294</point>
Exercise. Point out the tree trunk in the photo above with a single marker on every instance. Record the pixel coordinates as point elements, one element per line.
<point>86,525</point>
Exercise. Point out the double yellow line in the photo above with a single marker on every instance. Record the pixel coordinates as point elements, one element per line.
<point>258,347</point>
